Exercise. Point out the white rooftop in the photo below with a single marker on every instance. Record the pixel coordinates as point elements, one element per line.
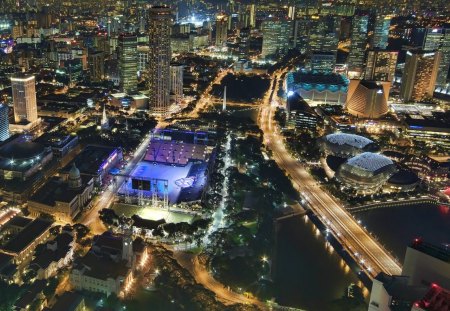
<point>348,139</point>
<point>370,161</point>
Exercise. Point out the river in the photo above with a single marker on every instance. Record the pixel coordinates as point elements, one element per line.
<point>396,227</point>
<point>309,274</point>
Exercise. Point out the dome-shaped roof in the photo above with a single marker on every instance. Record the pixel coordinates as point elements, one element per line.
<point>74,172</point>
<point>21,151</point>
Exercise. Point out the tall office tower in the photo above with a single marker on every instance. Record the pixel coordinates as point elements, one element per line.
<point>432,40</point>
<point>419,75</point>
<point>323,33</point>
<point>159,57</point>
<point>24,98</point>
<point>142,52</point>
<point>381,66</point>
<point>244,43</point>
<point>176,81</point>
<point>128,58</point>
<point>96,62</point>
<point>301,33</point>
<point>4,122</point>
<point>276,34</point>
<point>252,13</point>
<point>381,32</point>
<point>358,46</point>
<point>438,39</point>
<point>323,62</point>
<point>221,29</point>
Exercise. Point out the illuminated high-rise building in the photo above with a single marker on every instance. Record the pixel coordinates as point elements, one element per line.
<point>96,62</point>
<point>358,46</point>
<point>252,13</point>
<point>419,75</point>
<point>24,98</point>
<point>4,122</point>
<point>276,34</point>
<point>128,58</point>
<point>380,65</point>
<point>432,39</point>
<point>381,32</point>
<point>438,39</point>
<point>323,33</point>
<point>176,82</point>
<point>244,43</point>
<point>221,29</point>
<point>159,57</point>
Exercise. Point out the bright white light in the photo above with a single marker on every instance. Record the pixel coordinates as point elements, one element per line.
<point>290,93</point>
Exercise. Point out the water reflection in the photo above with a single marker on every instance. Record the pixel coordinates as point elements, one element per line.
<point>310,274</point>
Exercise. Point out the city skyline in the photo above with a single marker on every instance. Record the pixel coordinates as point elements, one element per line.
<point>224,155</point>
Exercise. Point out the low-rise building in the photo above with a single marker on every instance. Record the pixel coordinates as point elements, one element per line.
<point>60,144</point>
<point>366,173</point>
<point>346,145</point>
<point>21,159</point>
<point>108,266</point>
<point>57,254</point>
<point>300,115</point>
<point>63,199</point>
<point>22,245</point>
<point>95,161</point>
<point>69,301</point>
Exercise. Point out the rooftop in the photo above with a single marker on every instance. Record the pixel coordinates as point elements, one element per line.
<point>90,160</point>
<point>370,161</point>
<point>348,139</point>
<point>21,151</point>
<point>19,221</point>
<point>441,252</point>
<point>25,237</point>
<point>313,78</point>
<point>69,301</point>
<point>54,140</point>
<point>397,287</point>
<point>47,256</point>
<point>56,190</point>
<point>101,267</point>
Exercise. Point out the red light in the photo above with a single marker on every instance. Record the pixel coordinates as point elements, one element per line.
<point>434,285</point>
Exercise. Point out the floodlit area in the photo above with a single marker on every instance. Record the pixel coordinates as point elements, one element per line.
<point>148,212</point>
<point>184,183</point>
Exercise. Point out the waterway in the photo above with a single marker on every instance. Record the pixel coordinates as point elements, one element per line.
<point>397,227</point>
<point>309,273</point>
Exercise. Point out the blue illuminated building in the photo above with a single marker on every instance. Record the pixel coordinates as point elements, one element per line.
<point>318,87</point>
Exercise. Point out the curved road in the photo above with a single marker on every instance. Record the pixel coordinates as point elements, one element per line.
<point>370,255</point>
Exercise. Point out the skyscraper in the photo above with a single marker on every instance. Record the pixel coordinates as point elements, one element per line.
<point>24,98</point>
<point>276,33</point>
<point>438,39</point>
<point>358,46</point>
<point>96,65</point>
<point>128,58</point>
<point>4,122</point>
<point>323,33</point>
<point>381,65</point>
<point>381,32</point>
<point>176,81</point>
<point>419,75</point>
<point>252,13</point>
<point>244,44</point>
<point>159,57</point>
<point>221,29</point>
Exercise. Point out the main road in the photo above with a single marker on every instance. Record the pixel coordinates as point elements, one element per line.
<point>369,254</point>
